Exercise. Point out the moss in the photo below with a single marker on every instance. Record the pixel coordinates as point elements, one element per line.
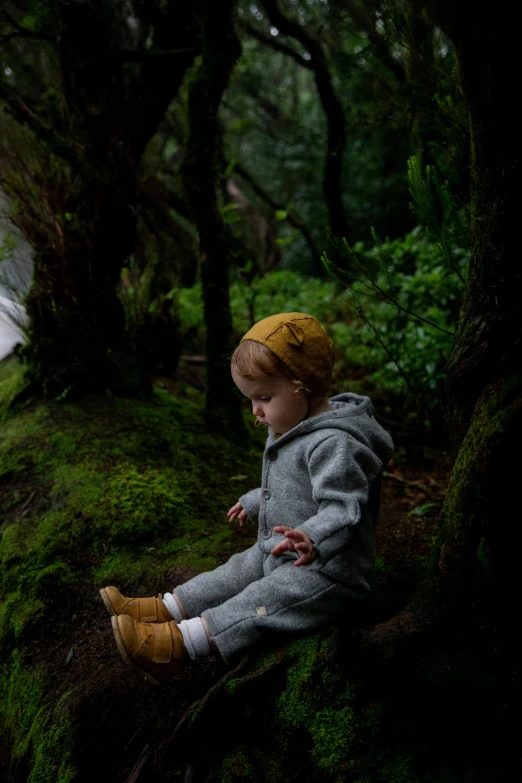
<point>319,697</point>
<point>11,382</point>
<point>494,414</point>
<point>53,754</point>
<point>347,741</point>
<point>231,686</point>
<point>21,696</point>
<point>333,732</point>
<point>96,491</point>
<point>295,706</point>
<point>36,730</point>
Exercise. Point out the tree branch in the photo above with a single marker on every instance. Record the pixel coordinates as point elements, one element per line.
<point>366,24</point>
<point>332,108</point>
<point>23,112</point>
<point>143,55</point>
<point>269,40</point>
<point>371,283</point>
<point>291,219</point>
<point>23,32</point>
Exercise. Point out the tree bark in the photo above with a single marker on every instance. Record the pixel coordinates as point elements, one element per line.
<point>484,380</point>
<point>221,49</point>
<point>108,112</point>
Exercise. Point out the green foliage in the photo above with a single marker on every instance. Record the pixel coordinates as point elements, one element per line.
<point>405,303</point>
<point>447,221</point>
<point>393,324</point>
<point>281,291</point>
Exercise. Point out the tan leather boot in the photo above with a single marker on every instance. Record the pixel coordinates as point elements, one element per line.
<point>148,610</point>
<point>156,650</point>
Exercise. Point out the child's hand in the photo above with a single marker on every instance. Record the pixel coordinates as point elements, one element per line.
<point>296,541</point>
<point>238,512</point>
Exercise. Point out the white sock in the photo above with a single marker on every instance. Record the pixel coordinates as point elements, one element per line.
<point>173,607</point>
<point>195,638</point>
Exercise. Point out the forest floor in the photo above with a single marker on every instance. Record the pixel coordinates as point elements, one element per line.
<point>102,721</point>
<point>79,656</point>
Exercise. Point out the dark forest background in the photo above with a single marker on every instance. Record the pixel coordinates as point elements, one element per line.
<point>169,174</point>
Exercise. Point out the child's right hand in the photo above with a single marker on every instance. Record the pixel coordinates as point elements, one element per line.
<point>238,512</point>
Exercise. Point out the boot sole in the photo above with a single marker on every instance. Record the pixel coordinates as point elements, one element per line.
<point>106,600</point>
<point>125,654</point>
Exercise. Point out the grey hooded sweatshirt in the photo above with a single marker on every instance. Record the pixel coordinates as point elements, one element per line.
<point>324,478</point>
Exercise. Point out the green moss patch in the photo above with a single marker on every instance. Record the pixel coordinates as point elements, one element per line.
<point>99,491</point>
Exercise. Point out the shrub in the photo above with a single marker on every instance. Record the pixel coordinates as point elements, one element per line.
<point>393,325</point>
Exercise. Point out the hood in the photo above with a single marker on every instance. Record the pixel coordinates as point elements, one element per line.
<point>352,413</point>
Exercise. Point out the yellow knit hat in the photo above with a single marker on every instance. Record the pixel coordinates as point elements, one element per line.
<point>301,343</point>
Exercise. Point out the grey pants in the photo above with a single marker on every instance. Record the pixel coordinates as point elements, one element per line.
<point>254,593</point>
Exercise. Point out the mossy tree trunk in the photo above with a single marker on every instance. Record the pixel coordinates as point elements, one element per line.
<point>484,374</point>
<point>200,172</point>
<point>89,137</point>
<point>479,521</point>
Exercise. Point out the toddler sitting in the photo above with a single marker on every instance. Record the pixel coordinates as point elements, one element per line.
<point>316,511</point>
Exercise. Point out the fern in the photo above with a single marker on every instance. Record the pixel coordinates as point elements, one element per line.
<point>446,221</point>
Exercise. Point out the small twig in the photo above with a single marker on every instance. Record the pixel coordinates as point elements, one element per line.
<point>145,753</point>
<point>401,425</point>
<point>31,496</point>
<point>248,678</point>
<point>394,477</point>
<point>416,483</point>
<point>199,706</point>
<point>391,300</point>
<point>193,359</point>
<point>392,358</point>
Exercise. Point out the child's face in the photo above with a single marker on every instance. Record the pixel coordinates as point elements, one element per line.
<point>275,401</point>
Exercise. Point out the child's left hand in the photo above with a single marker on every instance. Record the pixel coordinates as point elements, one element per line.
<point>296,541</point>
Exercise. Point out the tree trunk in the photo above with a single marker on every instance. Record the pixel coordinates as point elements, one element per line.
<point>221,49</point>
<point>116,89</point>
<point>76,319</point>
<point>484,379</point>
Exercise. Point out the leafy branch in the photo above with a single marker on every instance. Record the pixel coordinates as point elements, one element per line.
<point>404,375</point>
<point>445,219</point>
<point>371,283</point>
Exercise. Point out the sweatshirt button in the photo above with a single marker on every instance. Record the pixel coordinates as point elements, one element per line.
<point>267,533</point>
<point>272,456</point>
<point>266,494</point>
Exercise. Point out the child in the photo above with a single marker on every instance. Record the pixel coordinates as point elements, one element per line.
<point>316,509</point>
